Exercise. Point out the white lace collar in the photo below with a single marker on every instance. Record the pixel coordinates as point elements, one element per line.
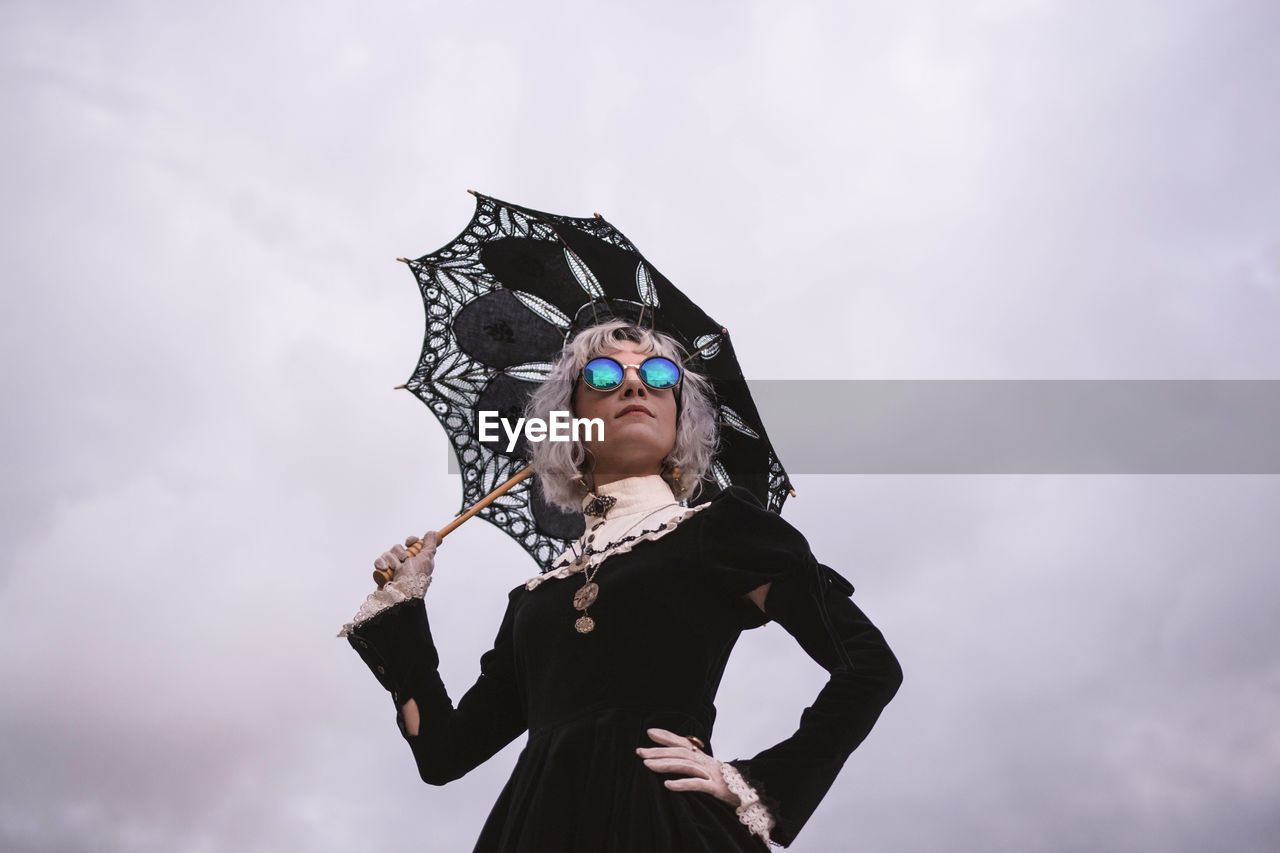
<point>645,509</point>
<point>634,494</point>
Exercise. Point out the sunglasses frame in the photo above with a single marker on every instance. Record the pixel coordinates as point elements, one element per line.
<point>623,368</point>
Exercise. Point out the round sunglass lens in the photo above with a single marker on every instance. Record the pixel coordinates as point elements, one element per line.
<point>602,374</point>
<point>659,372</point>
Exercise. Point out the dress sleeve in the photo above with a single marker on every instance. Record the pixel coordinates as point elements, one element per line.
<point>812,603</point>
<point>386,596</point>
<point>398,648</point>
<point>743,546</point>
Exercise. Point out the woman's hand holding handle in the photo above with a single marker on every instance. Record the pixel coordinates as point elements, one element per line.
<point>382,574</point>
<point>417,559</point>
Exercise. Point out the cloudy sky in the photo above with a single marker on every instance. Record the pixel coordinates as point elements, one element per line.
<point>203,452</point>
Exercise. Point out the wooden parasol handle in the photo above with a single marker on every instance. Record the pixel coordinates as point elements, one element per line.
<point>383,576</point>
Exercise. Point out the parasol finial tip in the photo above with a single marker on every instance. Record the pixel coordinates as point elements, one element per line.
<point>597,216</point>
<point>474,193</point>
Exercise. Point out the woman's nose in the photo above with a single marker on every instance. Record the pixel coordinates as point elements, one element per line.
<point>631,384</point>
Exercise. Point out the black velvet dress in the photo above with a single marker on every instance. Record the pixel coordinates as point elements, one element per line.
<point>668,614</point>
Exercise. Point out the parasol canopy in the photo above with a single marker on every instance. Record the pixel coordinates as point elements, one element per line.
<point>501,301</point>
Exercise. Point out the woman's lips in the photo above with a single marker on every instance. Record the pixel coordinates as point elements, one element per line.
<point>629,409</point>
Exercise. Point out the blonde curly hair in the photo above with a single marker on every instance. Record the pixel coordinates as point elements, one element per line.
<point>559,464</point>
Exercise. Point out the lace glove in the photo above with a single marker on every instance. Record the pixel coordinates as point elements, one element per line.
<point>412,577</point>
<point>704,773</point>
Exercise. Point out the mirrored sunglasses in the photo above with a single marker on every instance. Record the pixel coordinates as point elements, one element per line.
<point>605,374</point>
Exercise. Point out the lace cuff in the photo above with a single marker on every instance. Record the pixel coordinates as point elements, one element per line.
<point>753,813</point>
<point>398,590</point>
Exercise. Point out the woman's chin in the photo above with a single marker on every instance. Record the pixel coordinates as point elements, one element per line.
<point>637,430</point>
<point>628,466</point>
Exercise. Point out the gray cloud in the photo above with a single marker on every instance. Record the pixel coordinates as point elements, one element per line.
<point>203,452</point>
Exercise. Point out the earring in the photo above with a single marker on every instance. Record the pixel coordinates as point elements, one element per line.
<point>674,471</point>
<point>585,478</point>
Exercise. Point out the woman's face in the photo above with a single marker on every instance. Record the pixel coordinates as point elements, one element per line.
<point>639,422</point>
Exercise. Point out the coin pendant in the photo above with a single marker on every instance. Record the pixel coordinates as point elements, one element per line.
<point>585,624</point>
<point>583,598</point>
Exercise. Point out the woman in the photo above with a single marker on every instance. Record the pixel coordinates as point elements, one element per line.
<point>612,659</point>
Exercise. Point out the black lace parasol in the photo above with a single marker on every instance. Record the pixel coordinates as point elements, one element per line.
<point>501,301</point>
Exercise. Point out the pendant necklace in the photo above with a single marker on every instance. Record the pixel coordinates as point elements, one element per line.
<point>584,597</point>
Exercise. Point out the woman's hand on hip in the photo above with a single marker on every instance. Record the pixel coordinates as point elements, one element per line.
<point>404,566</point>
<point>681,755</point>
